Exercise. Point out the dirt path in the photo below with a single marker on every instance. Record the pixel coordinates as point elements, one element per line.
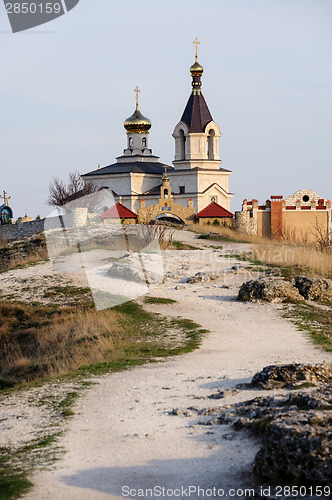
<point>141,428</point>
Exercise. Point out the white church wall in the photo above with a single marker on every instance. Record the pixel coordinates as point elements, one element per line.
<point>205,179</point>
<point>196,147</point>
<point>144,182</point>
<point>187,179</point>
<point>121,184</point>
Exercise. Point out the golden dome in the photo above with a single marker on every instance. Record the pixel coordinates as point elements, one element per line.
<point>196,69</point>
<point>137,123</point>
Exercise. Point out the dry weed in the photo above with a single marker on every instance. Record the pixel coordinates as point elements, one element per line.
<point>36,342</point>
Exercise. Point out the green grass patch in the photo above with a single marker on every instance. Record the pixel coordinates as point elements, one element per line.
<point>13,480</point>
<point>158,300</point>
<point>314,320</point>
<point>286,272</point>
<point>259,426</point>
<point>183,246</point>
<point>17,464</point>
<point>67,291</point>
<point>149,337</point>
<point>215,237</point>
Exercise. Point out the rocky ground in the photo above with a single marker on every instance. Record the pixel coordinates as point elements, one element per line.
<point>295,428</point>
<point>192,420</point>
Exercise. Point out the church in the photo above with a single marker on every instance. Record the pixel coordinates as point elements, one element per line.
<point>152,189</point>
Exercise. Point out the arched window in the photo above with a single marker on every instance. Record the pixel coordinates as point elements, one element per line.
<point>131,143</point>
<point>182,145</point>
<point>165,193</point>
<point>144,142</point>
<point>210,144</point>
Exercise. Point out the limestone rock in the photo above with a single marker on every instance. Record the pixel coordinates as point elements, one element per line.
<point>314,288</point>
<point>202,277</point>
<point>297,449</point>
<point>289,376</point>
<point>128,272</point>
<point>269,290</point>
<point>30,248</point>
<point>295,429</point>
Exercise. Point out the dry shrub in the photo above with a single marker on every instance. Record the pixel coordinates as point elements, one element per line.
<point>227,233</point>
<point>307,257</point>
<point>156,236</point>
<point>37,341</point>
<point>315,257</point>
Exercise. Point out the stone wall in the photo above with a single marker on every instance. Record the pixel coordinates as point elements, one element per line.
<point>244,223</point>
<point>304,216</point>
<point>14,232</point>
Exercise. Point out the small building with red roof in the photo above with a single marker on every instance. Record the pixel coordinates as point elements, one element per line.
<point>119,214</point>
<point>214,212</point>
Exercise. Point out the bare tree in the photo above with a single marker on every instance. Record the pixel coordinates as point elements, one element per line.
<point>320,233</point>
<point>61,193</point>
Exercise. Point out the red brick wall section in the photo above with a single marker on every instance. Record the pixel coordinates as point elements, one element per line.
<point>276,218</point>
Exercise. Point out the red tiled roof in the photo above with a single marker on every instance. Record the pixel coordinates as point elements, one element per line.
<point>119,211</point>
<point>214,210</point>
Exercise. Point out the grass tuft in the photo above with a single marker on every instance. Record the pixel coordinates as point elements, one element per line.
<point>314,320</point>
<point>158,300</point>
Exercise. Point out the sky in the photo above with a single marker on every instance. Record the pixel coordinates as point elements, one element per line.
<point>67,87</point>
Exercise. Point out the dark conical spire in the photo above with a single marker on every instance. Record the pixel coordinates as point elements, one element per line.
<point>196,114</point>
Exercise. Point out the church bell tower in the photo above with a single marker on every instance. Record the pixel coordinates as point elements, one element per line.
<point>197,173</point>
<point>196,135</point>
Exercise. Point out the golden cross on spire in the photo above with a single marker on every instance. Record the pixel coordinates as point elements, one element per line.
<point>165,167</point>
<point>137,91</point>
<point>197,43</point>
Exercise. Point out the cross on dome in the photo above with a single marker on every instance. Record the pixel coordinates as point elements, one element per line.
<point>197,43</point>
<point>137,91</point>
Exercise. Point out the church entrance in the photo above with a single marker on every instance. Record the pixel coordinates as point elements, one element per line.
<point>168,217</point>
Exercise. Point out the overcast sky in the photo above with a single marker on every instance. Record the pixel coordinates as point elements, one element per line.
<point>67,87</point>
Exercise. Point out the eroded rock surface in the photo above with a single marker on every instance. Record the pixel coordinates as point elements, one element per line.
<point>314,288</point>
<point>291,376</point>
<point>295,429</point>
<point>31,249</point>
<point>269,290</point>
